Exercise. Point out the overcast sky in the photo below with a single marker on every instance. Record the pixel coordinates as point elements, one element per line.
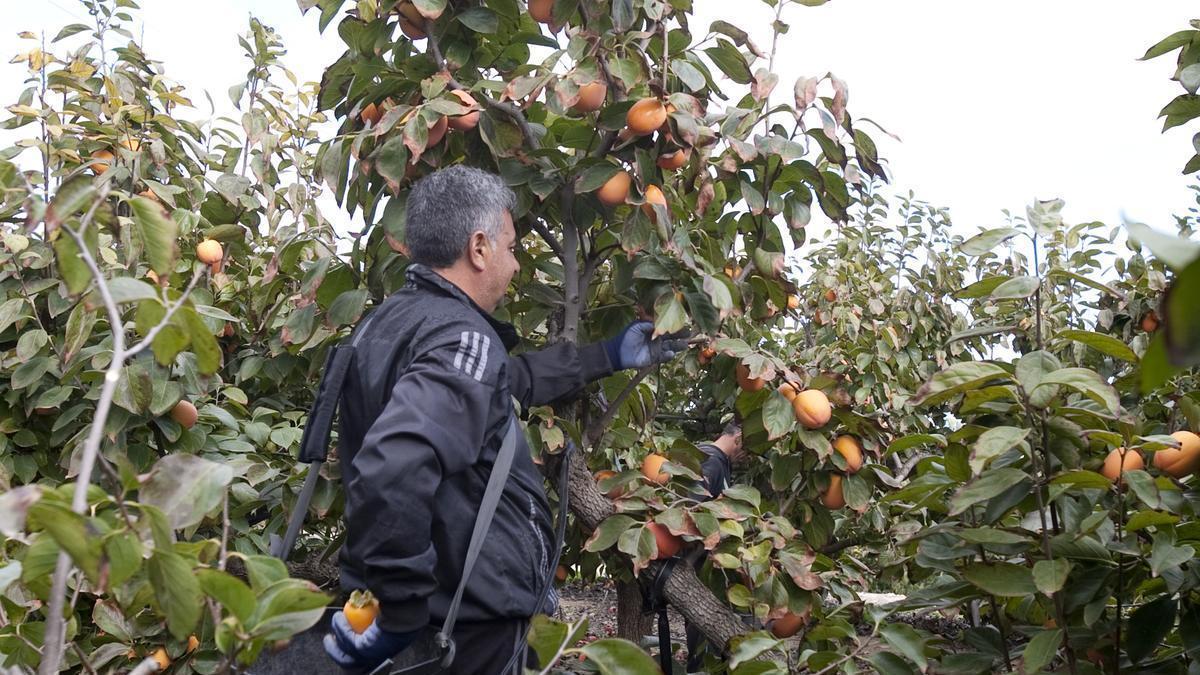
<point>996,103</point>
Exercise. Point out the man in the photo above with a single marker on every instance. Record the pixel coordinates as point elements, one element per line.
<point>425,408</point>
<point>720,457</point>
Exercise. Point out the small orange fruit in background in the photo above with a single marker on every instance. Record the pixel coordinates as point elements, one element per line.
<point>591,97</point>
<point>185,414</point>
<point>674,160</point>
<point>851,449</point>
<point>833,498</point>
<point>668,544</point>
<point>371,113</point>
<point>788,625</point>
<point>652,469</point>
<point>192,643</point>
<point>645,116</point>
<point>615,190</point>
<point>654,195</point>
<point>746,382</point>
<point>160,657</point>
<point>540,10</point>
<point>467,121</point>
<point>1115,465</point>
<point>1150,321</point>
<point>209,251</point>
<point>1180,461</point>
<point>812,408</point>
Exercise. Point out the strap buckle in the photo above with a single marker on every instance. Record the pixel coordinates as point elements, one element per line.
<point>446,644</point>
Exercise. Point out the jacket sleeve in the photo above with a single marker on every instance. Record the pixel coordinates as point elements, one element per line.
<point>716,469</point>
<point>418,440</point>
<point>556,372</point>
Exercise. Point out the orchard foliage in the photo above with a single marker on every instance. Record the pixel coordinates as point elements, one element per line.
<point>977,387</point>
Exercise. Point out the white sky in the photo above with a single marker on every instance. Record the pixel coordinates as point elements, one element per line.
<point>996,103</point>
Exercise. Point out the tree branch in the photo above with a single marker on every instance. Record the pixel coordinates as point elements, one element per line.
<point>508,109</point>
<point>596,430</point>
<point>549,237</point>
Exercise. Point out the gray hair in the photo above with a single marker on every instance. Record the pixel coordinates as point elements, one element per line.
<point>446,207</point>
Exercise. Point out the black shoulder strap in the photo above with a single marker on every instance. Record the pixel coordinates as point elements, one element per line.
<point>483,521</point>
<point>314,443</point>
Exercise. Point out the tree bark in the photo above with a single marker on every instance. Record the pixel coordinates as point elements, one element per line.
<point>683,590</point>
<point>632,622</point>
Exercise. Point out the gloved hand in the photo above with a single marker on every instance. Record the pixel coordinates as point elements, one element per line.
<point>366,650</point>
<point>634,348</point>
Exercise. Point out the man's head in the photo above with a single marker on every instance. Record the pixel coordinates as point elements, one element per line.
<point>730,442</point>
<point>458,221</point>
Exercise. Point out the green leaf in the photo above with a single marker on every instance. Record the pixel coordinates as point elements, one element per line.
<point>1041,650</point>
<point>1087,383</point>
<point>71,532</point>
<point>622,15</point>
<point>750,647</point>
<point>1105,344</point>
<point>981,288</point>
<point>1031,370</point>
<point>778,417</point>
<point>123,551</point>
<point>619,657</point>
<point>955,380</point>
<point>993,443</point>
<point>126,289</point>
<point>980,331</point>
<point>169,341</point>
<point>731,61</point>
<point>285,608</point>
<point>989,485</point>
<point>606,535</point>
<point>1181,318</point>
<point>347,308</point>
<point>886,663</point>
<point>593,177</point>
<point>204,345</point>
<point>1015,288</point>
<point>177,590</point>
<point>480,20</point>
<point>548,636</point>
<point>392,160</point>
<point>1001,579</point>
<point>1148,625</point>
<point>74,270</point>
<point>1176,252</point>
<point>915,440</point>
<point>987,240</point>
<point>1051,575</point>
<point>1086,282</point>
<point>670,315</point>
<point>1181,110</point>
<point>1165,555</point>
<point>1083,479</point>
<point>1143,486</point>
<point>160,234</point>
<point>689,75</point>
<point>1143,519</point>
<point>1170,44</point>
<point>988,535</point>
<point>902,638</point>
<point>231,592</point>
<point>185,488</point>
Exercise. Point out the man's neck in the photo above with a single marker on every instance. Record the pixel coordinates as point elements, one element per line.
<point>463,279</point>
<point>726,444</point>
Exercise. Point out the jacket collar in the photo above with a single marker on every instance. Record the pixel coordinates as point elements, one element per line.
<point>424,277</point>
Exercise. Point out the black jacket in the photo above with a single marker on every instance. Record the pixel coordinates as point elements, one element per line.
<point>423,413</point>
<point>717,470</point>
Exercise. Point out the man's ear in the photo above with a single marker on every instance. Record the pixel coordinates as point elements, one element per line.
<point>478,250</point>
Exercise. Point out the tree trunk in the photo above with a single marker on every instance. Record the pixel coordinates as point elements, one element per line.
<point>632,623</point>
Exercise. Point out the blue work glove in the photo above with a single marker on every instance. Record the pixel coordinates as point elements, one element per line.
<point>363,651</point>
<point>634,348</point>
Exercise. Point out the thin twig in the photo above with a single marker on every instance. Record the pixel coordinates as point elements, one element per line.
<point>83,660</point>
<point>146,667</point>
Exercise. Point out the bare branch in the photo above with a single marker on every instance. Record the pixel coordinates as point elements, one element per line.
<point>146,667</point>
